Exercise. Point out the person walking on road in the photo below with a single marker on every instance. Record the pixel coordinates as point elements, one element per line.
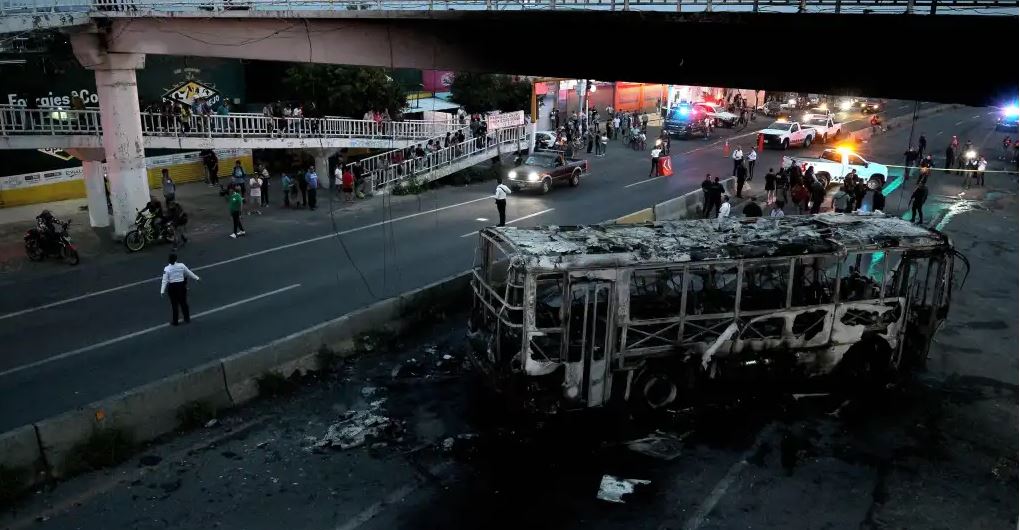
<point>237,177</point>
<point>738,158</point>
<point>917,200</point>
<point>715,193</point>
<point>286,186</point>
<point>502,191</point>
<point>302,183</point>
<point>169,188</point>
<point>752,157</point>
<point>979,176</point>
<point>175,283</point>
<point>817,195</point>
<point>706,187</point>
<point>313,187</point>
<point>265,186</point>
<point>654,172</point>
<point>922,145</point>
<point>235,201</point>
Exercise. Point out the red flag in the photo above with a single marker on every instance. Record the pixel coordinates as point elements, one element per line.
<point>665,166</point>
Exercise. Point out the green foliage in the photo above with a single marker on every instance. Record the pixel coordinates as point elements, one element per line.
<point>345,90</point>
<point>485,92</point>
<point>410,186</point>
<point>105,447</point>
<point>195,414</point>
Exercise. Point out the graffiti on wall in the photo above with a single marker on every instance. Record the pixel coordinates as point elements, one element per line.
<point>190,91</point>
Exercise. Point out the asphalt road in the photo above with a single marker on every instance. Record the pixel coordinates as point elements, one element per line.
<point>73,336</point>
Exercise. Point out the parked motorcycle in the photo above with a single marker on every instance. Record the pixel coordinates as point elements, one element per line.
<point>39,249</point>
<point>144,233</point>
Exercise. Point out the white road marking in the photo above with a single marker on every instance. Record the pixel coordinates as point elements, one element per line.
<point>481,219</point>
<point>393,497</point>
<point>643,181</point>
<point>238,258</point>
<point>720,489</point>
<point>959,122</point>
<point>122,338</point>
<point>514,221</point>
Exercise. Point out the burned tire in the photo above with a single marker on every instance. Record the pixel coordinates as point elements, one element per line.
<point>661,385</point>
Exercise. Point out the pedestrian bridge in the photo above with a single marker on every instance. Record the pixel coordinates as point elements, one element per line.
<point>22,128</point>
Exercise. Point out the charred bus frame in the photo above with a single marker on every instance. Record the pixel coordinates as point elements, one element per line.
<point>577,317</point>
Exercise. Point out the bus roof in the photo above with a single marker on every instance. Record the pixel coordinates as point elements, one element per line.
<point>557,247</point>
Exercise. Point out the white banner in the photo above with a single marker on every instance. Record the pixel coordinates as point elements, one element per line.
<point>507,119</point>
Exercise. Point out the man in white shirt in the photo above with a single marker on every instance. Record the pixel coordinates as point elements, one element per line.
<point>752,157</point>
<point>738,157</point>
<point>175,277</point>
<point>724,210</point>
<point>655,162</point>
<point>502,190</point>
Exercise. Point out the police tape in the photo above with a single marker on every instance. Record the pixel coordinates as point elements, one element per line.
<point>951,170</point>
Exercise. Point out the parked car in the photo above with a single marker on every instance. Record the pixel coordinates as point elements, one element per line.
<point>833,165</point>
<point>542,170</point>
<point>785,134</point>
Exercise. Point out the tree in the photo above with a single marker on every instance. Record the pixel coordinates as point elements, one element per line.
<point>345,90</point>
<point>485,92</point>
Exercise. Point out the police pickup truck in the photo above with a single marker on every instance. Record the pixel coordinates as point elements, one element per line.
<point>824,125</point>
<point>833,165</point>
<point>543,169</point>
<point>784,134</point>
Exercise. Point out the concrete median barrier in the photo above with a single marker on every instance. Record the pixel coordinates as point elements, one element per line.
<point>143,413</point>
<point>297,352</point>
<point>639,216</point>
<point>21,457</point>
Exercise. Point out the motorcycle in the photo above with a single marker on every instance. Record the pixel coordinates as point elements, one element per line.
<point>144,233</point>
<point>37,248</point>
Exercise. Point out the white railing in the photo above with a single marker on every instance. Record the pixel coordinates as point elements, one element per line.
<point>24,121</point>
<point>385,169</point>
<point>240,7</point>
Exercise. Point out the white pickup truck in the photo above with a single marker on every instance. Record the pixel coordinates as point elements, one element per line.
<point>833,165</point>
<point>825,125</point>
<point>784,134</point>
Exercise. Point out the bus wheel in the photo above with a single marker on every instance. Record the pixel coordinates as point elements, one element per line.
<point>655,389</point>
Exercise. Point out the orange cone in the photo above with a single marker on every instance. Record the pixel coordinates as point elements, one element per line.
<point>726,148</point>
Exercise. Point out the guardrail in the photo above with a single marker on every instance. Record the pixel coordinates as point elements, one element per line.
<point>390,167</point>
<point>23,121</point>
<point>122,8</point>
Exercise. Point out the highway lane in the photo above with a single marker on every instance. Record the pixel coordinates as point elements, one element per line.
<point>393,251</point>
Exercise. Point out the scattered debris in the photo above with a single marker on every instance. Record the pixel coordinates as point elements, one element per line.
<point>368,391</point>
<point>447,357</point>
<point>211,423</point>
<point>812,395</point>
<point>410,368</point>
<point>661,445</point>
<point>613,489</point>
<point>358,426</point>
<point>149,460</point>
<point>260,445</point>
<point>448,444</point>
<point>430,349</point>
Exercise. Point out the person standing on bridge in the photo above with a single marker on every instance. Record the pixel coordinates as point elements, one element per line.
<point>175,282</point>
<point>502,191</point>
<point>313,187</point>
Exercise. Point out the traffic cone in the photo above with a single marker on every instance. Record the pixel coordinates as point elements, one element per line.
<point>726,148</point>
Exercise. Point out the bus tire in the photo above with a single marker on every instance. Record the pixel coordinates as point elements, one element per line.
<point>655,389</point>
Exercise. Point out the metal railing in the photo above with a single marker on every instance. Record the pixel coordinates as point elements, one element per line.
<point>390,167</point>
<point>24,121</point>
<point>121,8</point>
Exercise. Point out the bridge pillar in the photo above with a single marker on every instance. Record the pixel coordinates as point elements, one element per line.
<point>321,157</point>
<point>95,186</point>
<point>117,87</point>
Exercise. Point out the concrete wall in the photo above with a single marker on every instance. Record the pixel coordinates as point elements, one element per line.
<point>39,451</point>
<point>686,206</point>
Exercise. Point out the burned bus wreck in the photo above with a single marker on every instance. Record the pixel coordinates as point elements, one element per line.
<point>582,316</point>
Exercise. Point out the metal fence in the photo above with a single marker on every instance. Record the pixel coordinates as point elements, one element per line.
<point>23,121</point>
<point>122,8</point>
<point>388,168</point>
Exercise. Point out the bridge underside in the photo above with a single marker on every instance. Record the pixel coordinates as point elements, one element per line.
<point>969,59</point>
<point>71,141</point>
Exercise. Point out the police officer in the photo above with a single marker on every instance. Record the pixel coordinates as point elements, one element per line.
<point>175,283</point>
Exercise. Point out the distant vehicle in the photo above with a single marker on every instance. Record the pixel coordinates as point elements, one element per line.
<point>543,169</point>
<point>821,110</point>
<point>655,316</point>
<point>871,106</point>
<point>771,109</point>
<point>826,126</point>
<point>545,139</point>
<point>786,134</point>
<point>684,121</point>
<point>1008,119</point>
<point>833,165</point>
<point>720,116</point>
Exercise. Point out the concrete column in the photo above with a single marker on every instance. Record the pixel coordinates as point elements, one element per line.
<point>117,88</point>
<point>321,157</point>
<point>95,188</point>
